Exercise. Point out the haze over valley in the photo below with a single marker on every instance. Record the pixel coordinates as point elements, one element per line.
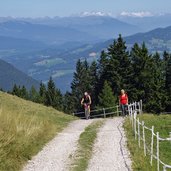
<point>50,46</point>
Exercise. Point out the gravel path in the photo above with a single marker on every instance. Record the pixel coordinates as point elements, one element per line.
<point>56,155</point>
<point>110,152</point>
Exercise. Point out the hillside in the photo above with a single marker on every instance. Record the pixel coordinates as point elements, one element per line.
<point>60,63</point>
<point>104,27</point>
<point>19,44</point>
<point>10,75</point>
<point>25,128</point>
<point>49,35</point>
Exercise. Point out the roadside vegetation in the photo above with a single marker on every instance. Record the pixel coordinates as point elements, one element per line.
<point>162,124</point>
<point>25,128</point>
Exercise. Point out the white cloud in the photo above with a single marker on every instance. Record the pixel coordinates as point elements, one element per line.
<point>137,14</point>
<point>85,14</point>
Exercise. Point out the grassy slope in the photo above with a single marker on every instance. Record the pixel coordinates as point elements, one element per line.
<point>25,128</point>
<point>162,124</point>
<point>86,141</point>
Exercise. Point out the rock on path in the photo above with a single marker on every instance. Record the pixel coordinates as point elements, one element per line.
<point>110,152</point>
<point>56,155</point>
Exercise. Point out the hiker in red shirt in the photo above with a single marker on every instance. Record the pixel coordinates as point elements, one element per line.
<point>123,101</point>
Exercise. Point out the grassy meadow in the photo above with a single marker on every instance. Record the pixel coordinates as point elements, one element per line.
<point>25,127</point>
<point>162,124</point>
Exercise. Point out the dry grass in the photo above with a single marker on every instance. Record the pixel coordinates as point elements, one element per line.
<point>25,128</point>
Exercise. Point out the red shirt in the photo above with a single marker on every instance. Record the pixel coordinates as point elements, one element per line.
<point>123,99</point>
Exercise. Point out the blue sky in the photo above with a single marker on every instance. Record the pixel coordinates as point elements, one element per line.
<point>40,8</point>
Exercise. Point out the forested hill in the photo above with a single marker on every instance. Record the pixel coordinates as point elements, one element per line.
<point>159,33</point>
<point>9,76</point>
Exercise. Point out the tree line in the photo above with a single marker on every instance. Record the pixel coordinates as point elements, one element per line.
<point>144,75</point>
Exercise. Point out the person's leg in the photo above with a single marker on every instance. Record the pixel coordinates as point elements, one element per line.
<point>125,110</point>
<point>122,109</point>
<point>86,113</point>
<point>89,112</point>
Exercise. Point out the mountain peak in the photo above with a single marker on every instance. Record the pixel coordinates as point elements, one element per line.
<point>136,14</point>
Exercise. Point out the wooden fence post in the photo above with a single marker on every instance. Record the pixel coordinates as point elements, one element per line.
<point>117,110</point>
<point>134,106</point>
<point>141,106</point>
<point>132,117</point>
<point>135,124</point>
<point>157,153</point>
<point>104,112</point>
<point>152,139</point>
<point>139,136</point>
<point>144,138</point>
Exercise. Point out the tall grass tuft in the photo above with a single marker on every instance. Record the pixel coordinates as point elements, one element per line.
<point>25,127</point>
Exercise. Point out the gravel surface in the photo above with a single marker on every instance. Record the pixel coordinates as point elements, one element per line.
<point>110,152</point>
<point>57,154</point>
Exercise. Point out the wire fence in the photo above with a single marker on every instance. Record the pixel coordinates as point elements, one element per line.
<point>102,112</point>
<point>140,134</point>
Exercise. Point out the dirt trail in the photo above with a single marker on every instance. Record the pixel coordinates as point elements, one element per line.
<point>56,155</point>
<point>110,152</point>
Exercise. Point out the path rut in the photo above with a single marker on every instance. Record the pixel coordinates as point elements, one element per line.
<point>110,152</point>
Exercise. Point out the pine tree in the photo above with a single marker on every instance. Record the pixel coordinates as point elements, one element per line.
<point>115,66</point>
<point>23,92</point>
<point>34,96</point>
<point>103,71</point>
<point>156,83</point>
<point>15,90</point>
<point>58,100</point>
<point>80,83</point>
<point>42,92</point>
<point>50,93</point>
<point>93,83</point>
<point>106,97</point>
<point>68,105</point>
<point>119,65</point>
<point>141,64</point>
<point>168,84</point>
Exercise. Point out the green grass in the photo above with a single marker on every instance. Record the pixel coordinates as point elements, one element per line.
<point>162,124</point>
<point>85,143</point>
<point>25,127</point>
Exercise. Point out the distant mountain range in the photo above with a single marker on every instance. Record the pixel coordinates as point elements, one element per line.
<point>61,30</point>
<point>47,34</point>
<point>20,44</point>
<point>10,75</point>
<point>148,23</point>
<point>47,47</point>
<point>103,27</point>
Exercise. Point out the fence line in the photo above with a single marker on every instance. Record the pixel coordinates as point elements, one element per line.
<point>102,112</point>
<point>134,109</point>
